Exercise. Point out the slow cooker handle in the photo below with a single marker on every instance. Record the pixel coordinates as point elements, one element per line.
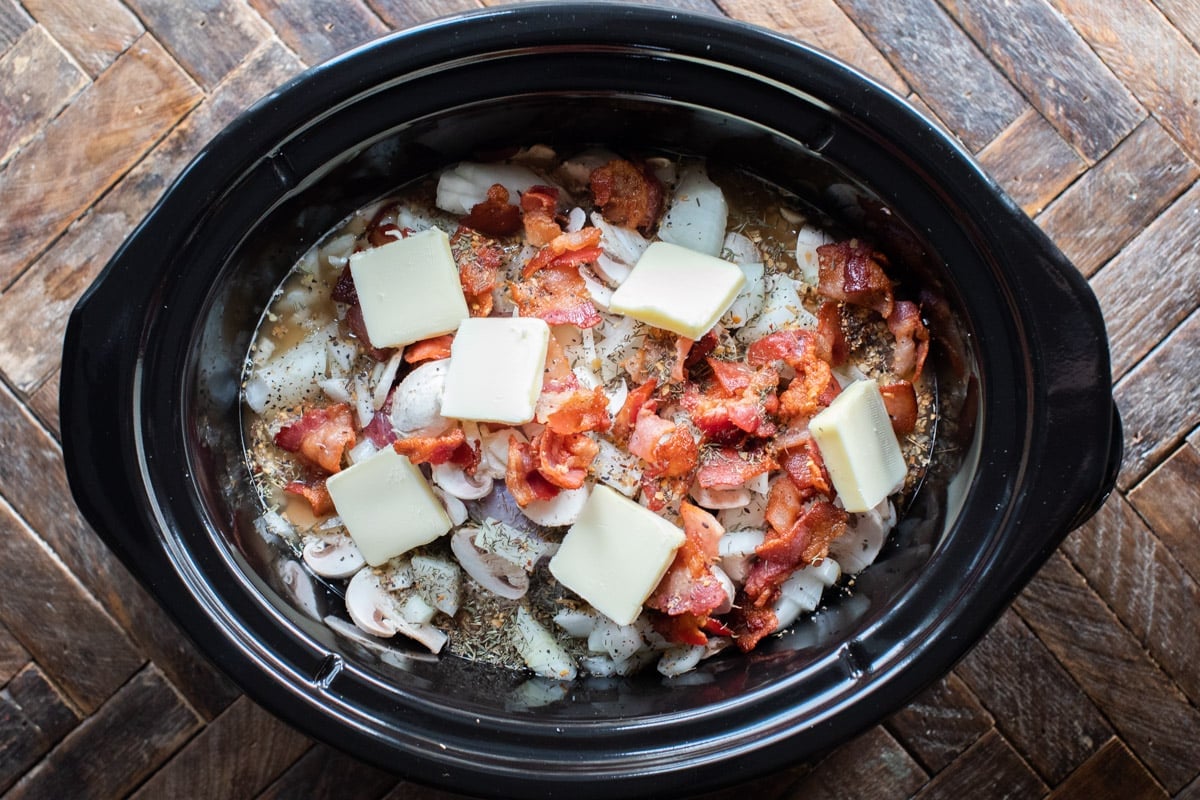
<point>1116,452</point>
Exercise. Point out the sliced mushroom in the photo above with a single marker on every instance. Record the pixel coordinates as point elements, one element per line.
<point>373,610</point>
<point>454,480</point>
<point>736,497</point>
<point>417,403</point>
<point>562,509</point>
<point>454,507</point>
<point>333,557</point>
<point>494,573</point>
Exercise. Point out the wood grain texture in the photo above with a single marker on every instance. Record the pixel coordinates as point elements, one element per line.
<point>33,717</point>
<point>37,79</point>
<point>1169,501</point>
<point>34,310</point>
<point>1117,199</point>
<point>1140,579</point>
<point>1113,772</point>
<point>251,747</point>
<point>1153,284</point>
<point>873,765</point>
<point>13,657</point>
<point>1159,401</point>
<point>117,119</point>
<point>403,14</point>
<point>1184,16</point>
<point>1150,56</point>
<point>321,29</point>
<point>1037,706</point>
<point>44,403</point>
<point>209,39</point>
<point>138,729</point>
<point>14,21</point>
<point>1055,69</point>
<point>942,64</point>
<point>1153,717</point>
<point>94,32</point>
<point>822,24</point>
<point>941,723</point>
<point>989,770</point>
<point>1031,161</point>
<point>323,772</point>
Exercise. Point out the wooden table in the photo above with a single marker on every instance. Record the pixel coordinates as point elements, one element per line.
<point>1088,111</point>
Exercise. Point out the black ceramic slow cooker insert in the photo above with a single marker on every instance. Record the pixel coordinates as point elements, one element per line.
<point>1021,349</point>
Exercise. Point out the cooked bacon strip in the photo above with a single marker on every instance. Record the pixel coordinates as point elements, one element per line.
<point>479,261</point>
<point>680,629</point>
<point>379,430</point>
<point>912,340</point>
<point>723,415</point>
<point>793,346</point>
<point>344,290</point>
<point>682,346</point>
<point>432,349</point>
<point>521,475</point>
<point>358,329</point>
<point>538,207</point>
<point>813,388</point>
<point>900,399</point>
<point>784,550</point>
<point>670,449</point>
<point>558,295</point>
<point>624,421</point>
<point>432,449</point>
<point>628,196</point>
<point>320,436</point>
<point>830,338</point>
<point>689,586</point>
<point>751,623</point>
<point>563,460</point>
<point>659,491</point>
<point>566,407</point>
<point>853,272</point>
<point>382,229</point>
<point>727,467</point>
<point>806,469</point>
<point>495,216</point>
<point>566,250</point>
<point>315,492</point>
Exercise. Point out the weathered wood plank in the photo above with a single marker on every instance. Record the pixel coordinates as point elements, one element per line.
<point>44,403</point>
<point>1142,582</point>
<point>94,32</point>
<point>116,748</point>
<point>37,80</point>
<point>823,24</point>
<point>1031,161</point>
<point>1153,284</point>
<point>1150,56</point>
<point>1112,772</point>
<point>13,22</point>
<point>1159,401</point>
<point>58,622</point>
<point>1119,197</point>
<point>1035,703</point>
<point>237,754</point>
<point>209,39</point>
<point>1169,500</point>
<point>1152,716</point>
<point>116,120</point>
<point>989,770</point>
<point>33,479</point>
<point>405,13</point>
<point>13,657</point>
<point>1183,15</point>
<point>1056,70</point>
<point>34,310</point>
<point>33,717</point>
<point>321,29</point>
<point>941,723</point>
<point>873,765</point>
<point>323,772</point>
<point>942,64</point>
<point>701,6</point>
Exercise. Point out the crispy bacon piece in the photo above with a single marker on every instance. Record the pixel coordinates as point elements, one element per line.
<point>853,272</point>
<point>741,401</point>
<point>830,339</point>
<point>683,346</point>
<point>785,549</point>
<point>358,328</point>
<point>751,623</point>
<point>670,449</point>
<point>479,261</point>
<point>682,628</point>
<point>659,491</point>
<point>432,349</point>
<point>624,421</point>
<point>806,469</point>
<point>320,436</point>
<point>521,474</point>
<point>538,207</point>
<point>379,430</point>
<point>900,399</point>
<point>557,295</point>
<point>689,586</point>
<point>315,492</point>
<point>912,340</point>
<point>566,250</point>
<point>432,449</point>
<point>495,216</point>
<point>727,467</point>
<point>813,388</point>
<point>793,346</point>
<point>628,196</point>
<point>382,229</point>
<point>344,290</point>
<point>566,407</point>
<point>563,460</point>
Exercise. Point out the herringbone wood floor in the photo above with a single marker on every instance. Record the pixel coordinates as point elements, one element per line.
<point>1087,111</point>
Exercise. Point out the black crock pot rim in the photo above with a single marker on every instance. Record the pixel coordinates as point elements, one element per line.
<point>344,72</point>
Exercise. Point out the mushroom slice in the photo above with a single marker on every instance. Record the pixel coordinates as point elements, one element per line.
<point>373,610</point>
<point>498,575</point>
<point>455,509</point>
<point>455,481</point>
<point>562,509</point>
<point>417,403</point>
<point>333,557</point>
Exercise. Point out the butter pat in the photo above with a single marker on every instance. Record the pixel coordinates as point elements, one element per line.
<point>496,367</point>
<point>859,447</point>
<point>409,289</point>
<point>678,289</point>
<point>387,506</point>
<point>615,554</point>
